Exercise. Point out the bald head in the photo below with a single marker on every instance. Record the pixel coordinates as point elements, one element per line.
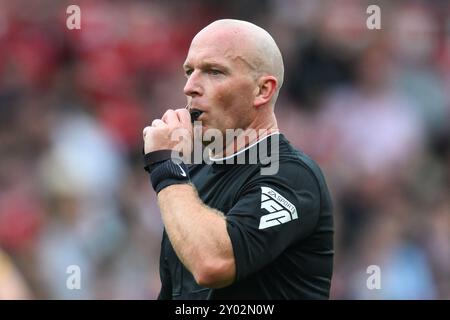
<point>248,43</point>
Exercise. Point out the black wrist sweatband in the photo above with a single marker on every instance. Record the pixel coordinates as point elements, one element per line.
<point>164,171</point>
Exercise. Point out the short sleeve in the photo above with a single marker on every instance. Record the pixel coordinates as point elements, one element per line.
<point>271,214</point>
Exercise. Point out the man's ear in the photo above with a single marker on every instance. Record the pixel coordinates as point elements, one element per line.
<point>267,86</point>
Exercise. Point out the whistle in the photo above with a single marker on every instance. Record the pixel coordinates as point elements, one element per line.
<point>194,113</point>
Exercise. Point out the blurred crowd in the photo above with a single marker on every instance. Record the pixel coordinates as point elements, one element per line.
<point>372,107</point>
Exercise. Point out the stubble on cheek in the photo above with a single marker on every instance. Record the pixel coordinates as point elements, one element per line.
<point>220,115</point>
<point>231,100</point>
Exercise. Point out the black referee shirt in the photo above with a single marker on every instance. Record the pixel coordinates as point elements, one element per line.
<point>281,229</point>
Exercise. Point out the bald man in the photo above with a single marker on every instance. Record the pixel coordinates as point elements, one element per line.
<point>232,232</point>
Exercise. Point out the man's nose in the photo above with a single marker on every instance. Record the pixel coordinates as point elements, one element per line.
<point>193,87</point>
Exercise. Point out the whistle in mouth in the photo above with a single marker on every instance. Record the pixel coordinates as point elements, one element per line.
<point>195,114</point>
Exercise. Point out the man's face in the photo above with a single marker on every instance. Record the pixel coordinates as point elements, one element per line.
<point>220,83</point>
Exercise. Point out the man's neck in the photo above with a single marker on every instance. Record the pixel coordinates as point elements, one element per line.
<point>239,139</point>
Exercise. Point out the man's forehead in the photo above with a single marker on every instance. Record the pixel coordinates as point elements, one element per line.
<point>221,40</point>
<point>210,57</point>
<point>216,50</point>
<point>213,55</point>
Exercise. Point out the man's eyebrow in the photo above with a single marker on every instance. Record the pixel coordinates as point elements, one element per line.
<point>206,65</point>
<point>209,64</point>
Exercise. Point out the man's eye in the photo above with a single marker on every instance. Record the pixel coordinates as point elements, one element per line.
<point>214,72</point>
<point>188,72</point>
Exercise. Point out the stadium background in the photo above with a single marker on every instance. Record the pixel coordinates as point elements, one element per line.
<point>371,106</point>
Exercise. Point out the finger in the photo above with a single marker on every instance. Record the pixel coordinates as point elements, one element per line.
<point>170,117</point>
<point>158,123</point>
<point>145,131</point>
<point>164,117</point>
<point>184,117</point>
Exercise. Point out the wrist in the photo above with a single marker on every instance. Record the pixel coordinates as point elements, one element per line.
<point>165,169</point>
